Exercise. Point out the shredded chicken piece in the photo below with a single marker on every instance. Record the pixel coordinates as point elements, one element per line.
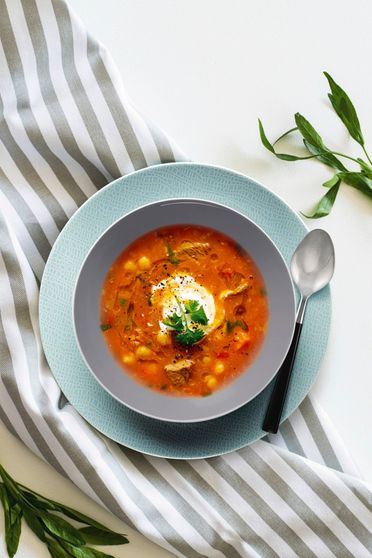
<point>179,372</point>
<point>239,289</point>
<point>178,366</point>
<point>193,249</point>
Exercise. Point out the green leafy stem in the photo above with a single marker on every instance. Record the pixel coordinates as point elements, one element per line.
<point>188,333</point>
<point>62,539</point>
<point>361,179</point>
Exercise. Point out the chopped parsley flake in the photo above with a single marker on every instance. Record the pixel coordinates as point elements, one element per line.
<point>238,323</point>
<point>172,256</point>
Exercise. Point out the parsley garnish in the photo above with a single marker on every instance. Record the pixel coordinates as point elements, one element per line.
<point>105,327</point>
<point>175,322</point>
<point>190,337</point>
<point>196,312</point>
<point>188,334</point>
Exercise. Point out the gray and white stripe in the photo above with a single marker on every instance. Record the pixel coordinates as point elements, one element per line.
<point>66,129</point>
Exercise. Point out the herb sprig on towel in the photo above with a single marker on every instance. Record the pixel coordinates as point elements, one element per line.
<point>45,519</point>
<point>359,178</point>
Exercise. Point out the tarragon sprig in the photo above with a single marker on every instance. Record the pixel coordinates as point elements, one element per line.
<point>361,179</point>
<point>45,519</point>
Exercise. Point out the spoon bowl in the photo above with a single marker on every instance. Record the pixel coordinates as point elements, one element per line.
<point>313,262</point>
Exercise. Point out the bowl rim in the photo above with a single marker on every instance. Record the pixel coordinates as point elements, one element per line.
<point>169,201</point>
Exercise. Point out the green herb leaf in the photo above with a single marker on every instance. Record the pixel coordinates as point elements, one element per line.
<point>269,146</point>
<point>357,180</point>
<point>314,143</point>
<point>172,256</point>
<point>345,109</point>
<point>238,323</point>
<point>325,205</point>
<point>105,327</point>
<point>12,517</point>
<point>56,550</point>
<point>11,486</point>
<point>367,169</point>
<point>93,535</point>
<point>325,157</point>
<point>61,529</point>
<point>191,306</point>
<point>187,335</point>
<point>39,503</point>
<point>84,552</point>
<point>74,514</point>
<point>123,301</point>
<point>175,322</point>
<point>308,132</point>
<point>285,134</point>
<point>34,523</point>
<point>190,337</point>
<point>199,316</point>
<point>196,312</point>
<point>18,500</point>
<point>331,182</point>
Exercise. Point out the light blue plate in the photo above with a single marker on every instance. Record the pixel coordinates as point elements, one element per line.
<point>172,440</point>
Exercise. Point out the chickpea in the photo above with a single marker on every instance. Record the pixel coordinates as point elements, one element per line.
<point>206,360</point>
<point>144,263</point>
<point>144,353</point>
<point>130,266</point>
<point>128,358</point>
<point>210,381</point>
<point>163,338</point>
<point>219,367</point>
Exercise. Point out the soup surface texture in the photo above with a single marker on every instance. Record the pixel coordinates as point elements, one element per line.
<point>184,310</point>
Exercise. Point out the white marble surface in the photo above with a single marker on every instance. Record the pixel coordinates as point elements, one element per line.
<point>205,71</point>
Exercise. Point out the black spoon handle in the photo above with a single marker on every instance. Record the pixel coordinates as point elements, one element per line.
<point>276,403</point>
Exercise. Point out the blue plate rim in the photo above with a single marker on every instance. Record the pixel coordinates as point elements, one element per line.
<point>162,166</point>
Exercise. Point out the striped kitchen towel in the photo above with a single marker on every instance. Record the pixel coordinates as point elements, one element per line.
<point>66,129</point>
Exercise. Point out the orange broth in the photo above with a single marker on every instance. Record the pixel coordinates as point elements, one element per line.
<point>184,310</point>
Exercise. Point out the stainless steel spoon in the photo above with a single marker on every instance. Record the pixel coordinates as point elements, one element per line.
<point>312,267</point>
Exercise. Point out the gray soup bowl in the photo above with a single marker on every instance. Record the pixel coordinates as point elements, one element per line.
<point>87,296</point>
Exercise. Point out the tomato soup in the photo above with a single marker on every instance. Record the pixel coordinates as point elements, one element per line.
<point>184,310</point>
